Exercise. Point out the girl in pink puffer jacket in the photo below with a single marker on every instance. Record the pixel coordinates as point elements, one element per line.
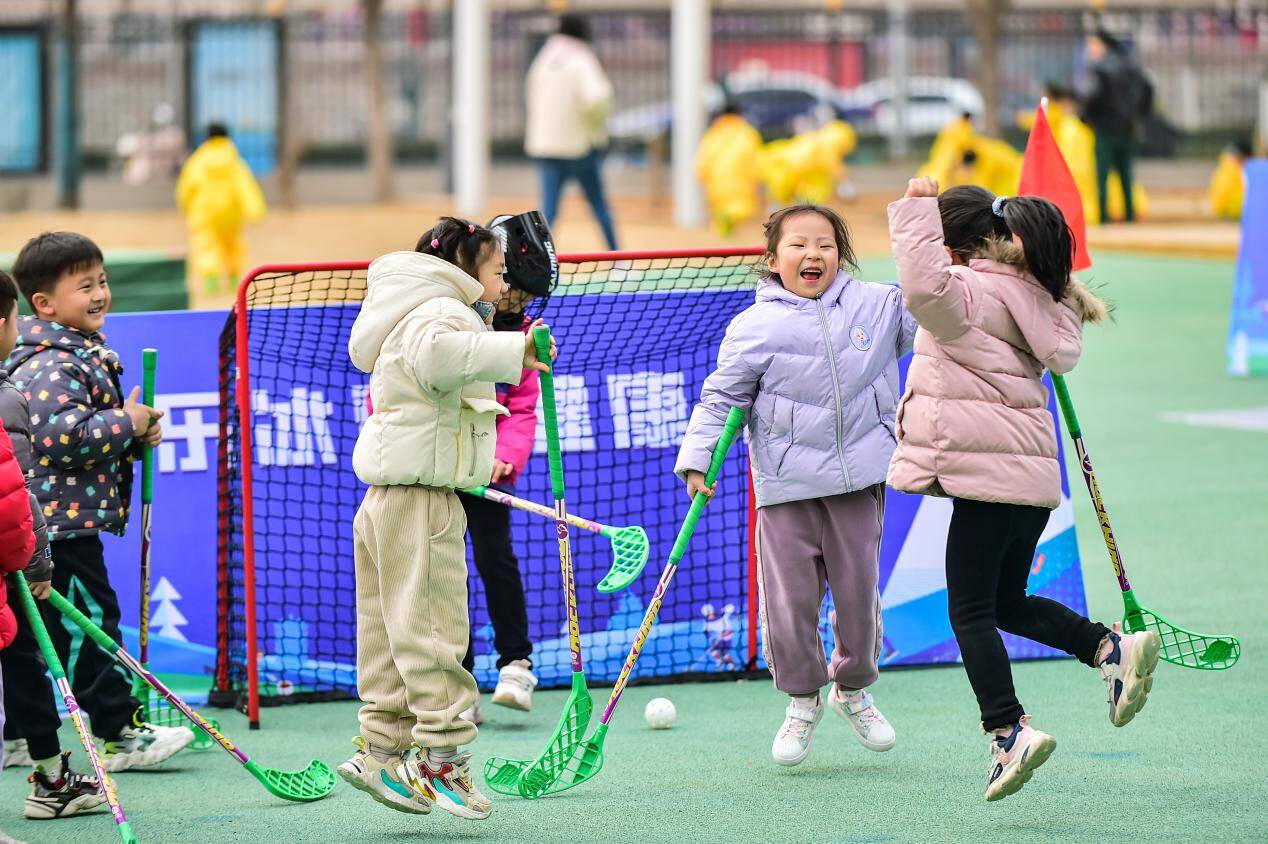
<point>989,280</point>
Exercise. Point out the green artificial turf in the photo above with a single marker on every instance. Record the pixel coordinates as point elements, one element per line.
<point>1190,508</point>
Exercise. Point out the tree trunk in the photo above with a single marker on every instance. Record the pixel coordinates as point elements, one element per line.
<point>380,132</point>
<point>986,18</point>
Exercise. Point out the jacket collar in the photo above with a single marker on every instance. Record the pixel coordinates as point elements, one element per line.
<point>770,290</point>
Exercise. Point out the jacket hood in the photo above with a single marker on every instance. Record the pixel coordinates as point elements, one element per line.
<point>36,335</point>
<point>771,289</point>
<point>217,155</point>
<point>396,284</point>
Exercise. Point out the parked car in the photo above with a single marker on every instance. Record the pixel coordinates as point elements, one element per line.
<point>777,103</point>
<point>932,102</point>
<point>781,103</point>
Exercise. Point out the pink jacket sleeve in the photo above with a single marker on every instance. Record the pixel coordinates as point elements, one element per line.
<point>940,298</point>
<point>516,432</point>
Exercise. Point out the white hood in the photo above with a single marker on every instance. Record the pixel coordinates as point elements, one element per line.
<point>396,284</point>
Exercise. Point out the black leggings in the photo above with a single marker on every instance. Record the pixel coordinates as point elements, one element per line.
<point>489,525</point>
<point>990,549</point>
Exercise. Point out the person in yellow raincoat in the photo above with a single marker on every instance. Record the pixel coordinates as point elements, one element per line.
<point>727,163</point>
<point>1228,183</point>
<point>808,167</point>
<point>218,195</point>
<point>953,141</point>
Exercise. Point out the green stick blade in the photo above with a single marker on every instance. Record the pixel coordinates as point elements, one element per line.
<point>313,783</point>
<point>1184,647</point>
<point>159,711</point>
<point>537,778</point>
<point>630,550</point>
<point>503,775</point>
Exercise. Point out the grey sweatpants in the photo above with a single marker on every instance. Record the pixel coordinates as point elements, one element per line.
<point>804,546</point>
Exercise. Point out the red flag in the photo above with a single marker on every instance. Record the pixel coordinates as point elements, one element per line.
<point>1044,173</point>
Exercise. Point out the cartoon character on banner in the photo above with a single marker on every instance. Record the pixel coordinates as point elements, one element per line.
<point>720,632</point>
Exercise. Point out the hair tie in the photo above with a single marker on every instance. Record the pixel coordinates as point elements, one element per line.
<point>435,243</point>
<point>471,228</point>
<point>997,207</point>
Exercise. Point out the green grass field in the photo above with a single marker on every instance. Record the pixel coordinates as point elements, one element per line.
<point>1189,504</point>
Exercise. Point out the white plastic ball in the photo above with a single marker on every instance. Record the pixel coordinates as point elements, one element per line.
<point>660,713</point>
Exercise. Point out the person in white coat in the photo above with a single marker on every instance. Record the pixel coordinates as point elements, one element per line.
<point>569,97</point>
<point>424,336</point>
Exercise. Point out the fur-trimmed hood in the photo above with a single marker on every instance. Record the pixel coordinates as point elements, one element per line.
<point>1080,297</point>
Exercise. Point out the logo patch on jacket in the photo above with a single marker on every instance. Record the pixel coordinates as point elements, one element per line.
<point>860,338</point>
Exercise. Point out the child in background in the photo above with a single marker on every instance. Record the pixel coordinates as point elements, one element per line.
<point>531,274</point>
<point>1228,183</point>
<point>85,437</point>
<point>727,166</point>
<point>974,425</point>
<point>218,195</point>
<point>816,362</point>
<point>33,722</point>
<point>423,333</point>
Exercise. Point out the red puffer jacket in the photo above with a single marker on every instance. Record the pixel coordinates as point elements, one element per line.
<point>17,540</point>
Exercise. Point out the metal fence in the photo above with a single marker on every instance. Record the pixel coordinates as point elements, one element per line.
<point>1208,66</point>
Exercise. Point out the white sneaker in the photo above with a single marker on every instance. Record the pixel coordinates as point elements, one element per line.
<point>16,754</point>
<point>145,745</point>
<point>1014,758</point>
<point>6,838</point>
<point>792,742</point>
<point>869,725</point>
<point>516,682</point>
<point>473,713</point>
<point>1128,672</point>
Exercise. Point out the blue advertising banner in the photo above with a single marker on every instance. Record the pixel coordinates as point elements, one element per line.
<point>1248,328</point>
<point>629,419</point>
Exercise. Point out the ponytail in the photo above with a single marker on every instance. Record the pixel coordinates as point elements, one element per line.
<point>1046,239</point>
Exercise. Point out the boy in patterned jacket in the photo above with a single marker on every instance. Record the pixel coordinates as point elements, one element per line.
<point>85,436</point>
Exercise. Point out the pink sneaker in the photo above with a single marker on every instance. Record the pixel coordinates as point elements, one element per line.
<point>1014,757</point>
<point>1128,671</point>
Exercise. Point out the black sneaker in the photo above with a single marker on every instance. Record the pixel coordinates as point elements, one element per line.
<point>67,794</point>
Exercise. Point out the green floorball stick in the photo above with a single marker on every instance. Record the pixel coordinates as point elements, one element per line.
<point>72,707</point>
<point>313,783</point>
<point>531,779</point>
<point>149,362</point>
<point>1179,646</point>
<point>157,710</point>
<point>630,546</point>
<point>587,761</point>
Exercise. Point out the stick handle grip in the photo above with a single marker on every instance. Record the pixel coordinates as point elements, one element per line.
<point>1067,406</point>
<point>85,624</point>
<point>734,419</point>
<point>541,339</point>
<point>37,625</point>
<point>149,362</point>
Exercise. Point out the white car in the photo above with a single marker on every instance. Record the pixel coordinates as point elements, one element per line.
<point>932,102</point>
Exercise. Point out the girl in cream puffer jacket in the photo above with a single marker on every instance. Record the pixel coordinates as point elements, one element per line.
<point>423,336</point>
<point>973,424</point>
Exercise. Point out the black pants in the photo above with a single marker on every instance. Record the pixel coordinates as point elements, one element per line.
<point>990,549</point>
<point>102,688</point>
<point>489,526</point>
<point>1114,151</point>
<point>30,703</point>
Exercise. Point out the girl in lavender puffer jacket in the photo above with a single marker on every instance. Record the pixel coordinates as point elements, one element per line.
<point>815,360</point>
<point>974,425</point>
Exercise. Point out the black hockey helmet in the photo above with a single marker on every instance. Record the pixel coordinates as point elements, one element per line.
<point>531,265</point>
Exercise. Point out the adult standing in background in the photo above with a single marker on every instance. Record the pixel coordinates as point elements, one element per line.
<point>1117,98</point>
<point>569,98</point>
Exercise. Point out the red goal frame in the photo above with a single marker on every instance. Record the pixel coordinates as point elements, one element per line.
<point>240,314</point>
